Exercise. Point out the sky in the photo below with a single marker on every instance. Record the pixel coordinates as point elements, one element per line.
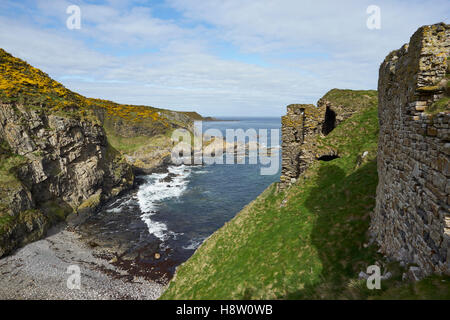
<point>216,57</point>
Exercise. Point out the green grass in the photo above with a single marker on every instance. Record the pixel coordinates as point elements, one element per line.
<point>442,105</point>
<point>306,248</point>
<point>353,99</point>
<point>5,220</point>
<point>9,163</point>
<point>431,288</point>
<point>129,145</point>
<point>92,202</point>
<point>125,144</point>
<point>308,242</point>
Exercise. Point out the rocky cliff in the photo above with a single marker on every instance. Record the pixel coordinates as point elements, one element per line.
<point>411,222</point>
<point>62,154</point>
<point>67,167</point>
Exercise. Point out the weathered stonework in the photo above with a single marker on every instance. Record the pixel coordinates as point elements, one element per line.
<point>300,128</point>
<point>299,125</point>
<point>411,222</point>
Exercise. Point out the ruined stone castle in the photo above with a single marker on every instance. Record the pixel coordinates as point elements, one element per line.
<point>300,128</point>
<point>411,221</point>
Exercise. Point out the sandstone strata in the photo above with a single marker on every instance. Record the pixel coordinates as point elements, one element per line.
<point>411,222</point>
<point>68,168</point>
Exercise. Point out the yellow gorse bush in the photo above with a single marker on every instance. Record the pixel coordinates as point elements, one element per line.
<point>25,84</point>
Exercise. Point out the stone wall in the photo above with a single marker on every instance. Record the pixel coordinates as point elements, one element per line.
<point>411,222</point>
<point>300,128</point>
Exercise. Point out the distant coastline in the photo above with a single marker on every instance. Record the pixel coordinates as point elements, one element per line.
<point>212,119</point>
<point>197,117</point>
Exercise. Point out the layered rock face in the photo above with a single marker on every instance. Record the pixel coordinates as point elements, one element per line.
<point>68,167</point>
<point>300,128</point>
<point>411,222</point>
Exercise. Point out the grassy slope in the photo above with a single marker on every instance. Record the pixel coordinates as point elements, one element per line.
<point>129,145</point>
<point>145,127</point>
<point>307,242</point>
<point>354,100</point>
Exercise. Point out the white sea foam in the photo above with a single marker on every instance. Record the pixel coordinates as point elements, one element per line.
<point>194,244</point>
<point>201,171</point>
<point>115,210</point>
<point>118,205</point>
<point>154,190</point>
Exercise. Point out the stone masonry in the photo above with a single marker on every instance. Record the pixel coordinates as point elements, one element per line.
<point>411,222</point>
<point>300,128</point>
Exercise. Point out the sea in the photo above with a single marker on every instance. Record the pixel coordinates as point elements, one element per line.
<point>163,221</point>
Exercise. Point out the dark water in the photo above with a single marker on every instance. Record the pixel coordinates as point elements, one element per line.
<point>172,217</point>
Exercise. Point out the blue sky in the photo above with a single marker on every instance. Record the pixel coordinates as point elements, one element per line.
<point>217,57</point>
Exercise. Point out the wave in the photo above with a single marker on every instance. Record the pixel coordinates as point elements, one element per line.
<point>157,188</point>
<point>194,244</point>
<point>118,205</point>
<point>201,171</point>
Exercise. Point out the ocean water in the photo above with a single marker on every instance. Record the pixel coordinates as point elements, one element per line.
<point>173,217</point>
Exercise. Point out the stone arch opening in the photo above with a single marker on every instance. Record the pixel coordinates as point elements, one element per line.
<point>328,157</point>
<point>330,121</point>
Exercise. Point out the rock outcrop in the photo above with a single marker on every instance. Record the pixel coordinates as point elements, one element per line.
<point>68,167</point>
<point>411,222</point>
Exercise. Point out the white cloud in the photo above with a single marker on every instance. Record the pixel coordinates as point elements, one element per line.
<point>52,52</point>
<point>129,54</point>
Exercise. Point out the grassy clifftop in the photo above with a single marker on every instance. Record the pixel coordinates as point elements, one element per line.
<point>25,84</point>
<point>308,242</point>
<point>354,100</point>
